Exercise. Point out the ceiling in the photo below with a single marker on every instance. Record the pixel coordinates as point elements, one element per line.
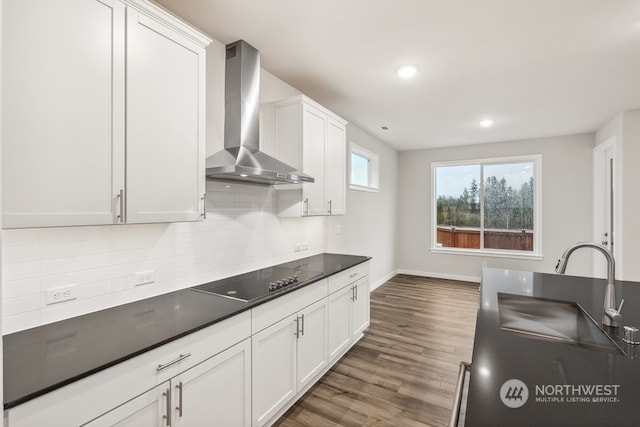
<point>536,67</point>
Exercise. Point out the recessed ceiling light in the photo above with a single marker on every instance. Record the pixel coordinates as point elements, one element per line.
<point>486,123</point>
<point>407,71</point>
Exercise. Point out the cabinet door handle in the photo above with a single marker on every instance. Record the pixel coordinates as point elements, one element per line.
<point>121,199</point>
<point>353,293</point>
<point>173,362</point>
<point>302,317</point>
<point>167,416</point>
<point>306,206</point>
<point>204,206</point>
<point>355,289</point>
<point>352,275</point>
<point>297,332</point>
<point>179,407</point>
<point>330,207</point>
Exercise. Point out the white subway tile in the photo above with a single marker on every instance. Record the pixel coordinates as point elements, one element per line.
<point>13,306</point>
<point>22,270</point>
<point>75,234</point>
<point>76,263</point>
<point>24,253</point>
<point>22,237</point>
<point>78,277</point>
<point>18,288</point>
<point>20,322</point>
<point>140,242</point>
<point>72,249</point>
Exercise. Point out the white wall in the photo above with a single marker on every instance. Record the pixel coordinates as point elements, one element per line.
<point>369,227</point>
<point>625,127</point>
<point>566,203</point>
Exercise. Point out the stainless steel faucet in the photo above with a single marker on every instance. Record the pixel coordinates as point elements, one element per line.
<point>612,315</point>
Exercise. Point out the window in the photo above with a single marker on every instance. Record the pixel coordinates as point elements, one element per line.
<point>490,205</point>
<point>365,167</point>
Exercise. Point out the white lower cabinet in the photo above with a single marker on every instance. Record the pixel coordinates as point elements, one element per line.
<point>348,316</point>
<point>286,357</point>
<point>214,392</point>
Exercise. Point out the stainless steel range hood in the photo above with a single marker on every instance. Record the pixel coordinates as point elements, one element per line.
<point>241,159</point>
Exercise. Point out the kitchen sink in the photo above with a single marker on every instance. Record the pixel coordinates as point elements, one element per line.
<point>553,320</point>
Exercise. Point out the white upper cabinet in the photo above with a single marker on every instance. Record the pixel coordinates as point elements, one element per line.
<point>71,124</point>
<point>312,139</point>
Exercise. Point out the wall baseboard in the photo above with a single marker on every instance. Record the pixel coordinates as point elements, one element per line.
<point>473,279</point>
<point>382,281</point>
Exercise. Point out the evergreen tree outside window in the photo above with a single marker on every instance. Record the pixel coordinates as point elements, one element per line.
<point>490,205</point>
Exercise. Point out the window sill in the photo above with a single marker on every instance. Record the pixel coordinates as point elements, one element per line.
<point>488,253</point>
<point>361,188</point>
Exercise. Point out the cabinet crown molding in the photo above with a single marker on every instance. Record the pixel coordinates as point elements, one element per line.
<point>167,18</point>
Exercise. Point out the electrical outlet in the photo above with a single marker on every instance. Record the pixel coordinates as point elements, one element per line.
<point>145,277</point>
<point>61,294</point>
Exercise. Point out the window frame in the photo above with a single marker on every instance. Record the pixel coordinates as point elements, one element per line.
<point>536,253</point>
<point>374,168</point>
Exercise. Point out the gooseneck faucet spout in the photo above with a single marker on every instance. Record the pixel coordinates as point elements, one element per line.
<point>612,315</point>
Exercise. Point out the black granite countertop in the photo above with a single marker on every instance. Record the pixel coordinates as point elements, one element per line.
<point>564,384</point>
<point>42,359</point>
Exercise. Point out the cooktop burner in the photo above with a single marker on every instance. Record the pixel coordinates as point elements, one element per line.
<point>259,284</point>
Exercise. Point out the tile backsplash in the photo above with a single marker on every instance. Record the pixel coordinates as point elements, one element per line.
<point>101,263</point>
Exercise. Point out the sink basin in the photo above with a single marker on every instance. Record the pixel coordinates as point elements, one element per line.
<point>552,320</point>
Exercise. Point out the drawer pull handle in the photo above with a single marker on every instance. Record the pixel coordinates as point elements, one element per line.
<point>173,362</point>
<point>351,276</point>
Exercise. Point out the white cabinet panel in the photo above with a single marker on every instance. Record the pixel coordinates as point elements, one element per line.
<point>312,342</point>
<point>340,322</point>
<point>361,314</point>
<point>273,369</point>
<point>335,164</point>
<point>313,137</point>
<point>164,146</point>
<point>145,410</point>
<point>63,111</point>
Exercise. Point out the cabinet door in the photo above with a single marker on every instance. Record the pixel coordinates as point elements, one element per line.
<point>146,410</point>
<point>340,329</point>
<point>273,369</point>
<point>335,167</point>
<point>63,108</point>
<point>165,123</point>
<point>360,316</point>
<point>217,391</point>
<point>312,342</point>
<point>313,136</point>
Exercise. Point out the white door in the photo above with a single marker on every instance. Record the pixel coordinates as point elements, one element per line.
<point>165,136</point>
<point>273,369</point>
<point>217,391</point>
<point>335,169</point>
<point>63,147</point>
<point>146,410</point>
<point>605,229</point>
<point>361,307</point>
<point>340,329</point>
<point>313,135</point>
<point>312,342</point>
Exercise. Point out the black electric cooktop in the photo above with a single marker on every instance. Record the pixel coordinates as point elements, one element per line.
<point>253,286</point>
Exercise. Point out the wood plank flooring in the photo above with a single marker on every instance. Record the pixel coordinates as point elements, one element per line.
<point>403,372</point>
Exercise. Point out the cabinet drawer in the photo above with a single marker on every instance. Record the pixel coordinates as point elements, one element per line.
<point>344,278</point>
<point>90,397</point>
<point>269,313</point>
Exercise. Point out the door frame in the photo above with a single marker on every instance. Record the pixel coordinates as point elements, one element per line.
<point>599,209</point>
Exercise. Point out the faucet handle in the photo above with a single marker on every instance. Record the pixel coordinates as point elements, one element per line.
<point>619,310</point>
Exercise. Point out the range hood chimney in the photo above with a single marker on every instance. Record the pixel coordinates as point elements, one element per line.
<point>241,159</point>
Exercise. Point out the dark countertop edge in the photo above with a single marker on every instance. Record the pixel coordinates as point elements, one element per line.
<point>30,396</point>
<point>85,374</point>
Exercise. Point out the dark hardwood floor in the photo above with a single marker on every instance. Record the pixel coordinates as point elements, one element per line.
<point>403,372</point>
